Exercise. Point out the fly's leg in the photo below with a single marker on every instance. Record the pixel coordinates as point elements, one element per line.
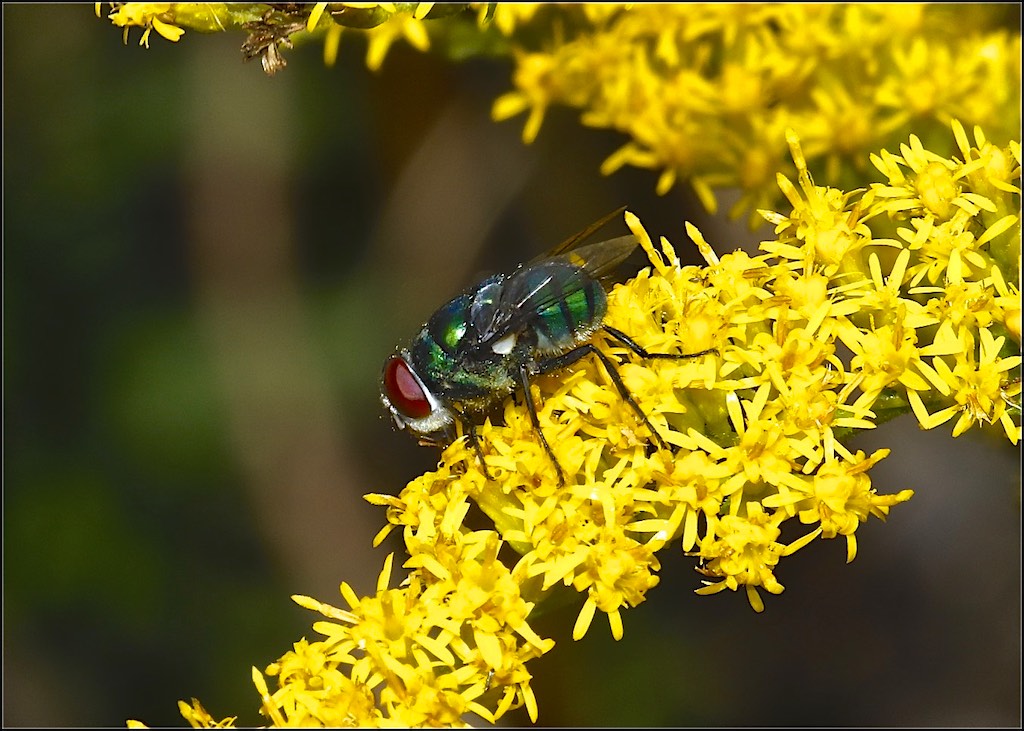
<point>451,435</point>
<point>524,379</point>
<point>567,359</point>
<point>474,439</point>
<point>575,354</point>
<point>644,353</point>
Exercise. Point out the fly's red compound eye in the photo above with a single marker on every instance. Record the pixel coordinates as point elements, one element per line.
<point>403,390</point>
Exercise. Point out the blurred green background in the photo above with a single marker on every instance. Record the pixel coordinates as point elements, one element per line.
<point>204,269</point>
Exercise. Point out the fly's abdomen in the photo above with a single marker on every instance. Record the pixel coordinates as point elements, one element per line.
<point>570,305</point>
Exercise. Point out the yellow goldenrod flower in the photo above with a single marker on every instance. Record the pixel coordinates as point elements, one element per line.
<point>272,27</point>
<point>199,717</point>
<point>425,653</point>
<point>752,433</point>
<point>150,16</point>
<point>399,25</point>
<point>506,17</point>
<point>701,93</point>
<point>902,296</point>
<point>742,550</point>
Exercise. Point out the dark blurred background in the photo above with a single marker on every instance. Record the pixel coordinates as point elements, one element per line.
<point>204,269</point>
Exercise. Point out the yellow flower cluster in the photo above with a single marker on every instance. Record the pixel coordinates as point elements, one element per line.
<point>757,426</point>
<point>148,16</point>
<point>272,26</point>
<point>450,641</point>
<point>704,92</point>
<point>900,298</point>
<point>426,653</point>
<point>169,20</point>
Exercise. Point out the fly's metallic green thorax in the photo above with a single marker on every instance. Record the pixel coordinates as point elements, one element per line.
<point>447,356</point>
<point>495,336</point>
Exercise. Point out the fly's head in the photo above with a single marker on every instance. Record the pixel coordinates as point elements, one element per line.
<point>411,403</point>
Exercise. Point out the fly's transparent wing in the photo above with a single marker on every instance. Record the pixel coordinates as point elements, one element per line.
<point>600,259</point>
<point>512,305</point>
<point>578,238</point>
<point>527,293</point>
<point>534,289</point>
